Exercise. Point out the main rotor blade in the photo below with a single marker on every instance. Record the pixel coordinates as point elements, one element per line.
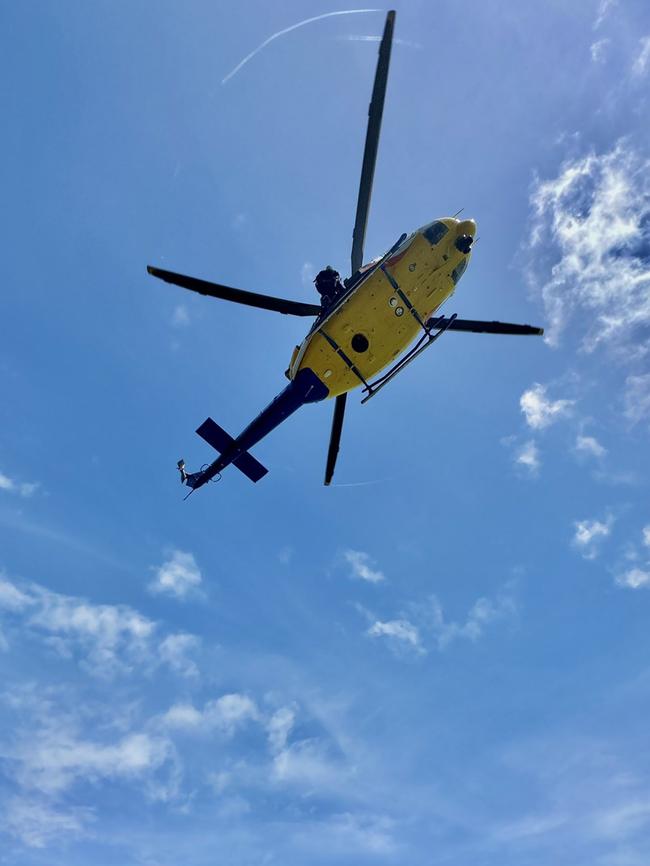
<point>239,296</point>
<point>375,112</point>
<point>478,327</point>
<point>335,436</point>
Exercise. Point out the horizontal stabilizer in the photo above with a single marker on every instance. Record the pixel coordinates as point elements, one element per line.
<point>476,326</point>
<point>221,441</point>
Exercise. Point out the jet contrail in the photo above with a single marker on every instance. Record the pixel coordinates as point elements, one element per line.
<point>288,30</point>
<point>353,38</point>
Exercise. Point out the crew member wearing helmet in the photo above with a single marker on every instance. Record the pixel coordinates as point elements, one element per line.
<point>328,285</point>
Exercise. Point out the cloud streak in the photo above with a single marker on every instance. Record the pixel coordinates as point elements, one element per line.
<point>286,30</point>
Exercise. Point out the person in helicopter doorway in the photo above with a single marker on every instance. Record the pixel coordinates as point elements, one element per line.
<point>329,286</point>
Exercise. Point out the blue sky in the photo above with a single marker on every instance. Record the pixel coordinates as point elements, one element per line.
<point>444,657</point>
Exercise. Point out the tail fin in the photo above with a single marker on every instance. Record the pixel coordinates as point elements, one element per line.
<point>217,437</point>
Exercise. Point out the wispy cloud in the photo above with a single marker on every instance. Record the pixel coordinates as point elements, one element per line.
<point>20,488</point>
<point>398,631</point>
<point>642,61</point>
<point>180,316</point>
<point>540,411</point>
<point>590,446</point>
<point>599,50</point>
<point>279,727</point>
<point>424,626</point>
<point>307,274</point>
<point>106,639</point>
<point>361,566</point>
<point>634,578</point>
<point>179,576</point>
<point>604,8</point>
<point>286,30</point>
<point>40,824</point>
<point>527,456</point>
<point>351,37</point>
<point>637,577</point>
<point>176,650</point>
<point>589,247</point>
<point>637,398</point>
<point>589,534</point>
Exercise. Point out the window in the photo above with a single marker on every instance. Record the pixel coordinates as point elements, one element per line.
<point>458,271</point>
<point>435,232</point>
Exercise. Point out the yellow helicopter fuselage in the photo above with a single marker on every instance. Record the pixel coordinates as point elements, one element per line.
<point>373,325</point>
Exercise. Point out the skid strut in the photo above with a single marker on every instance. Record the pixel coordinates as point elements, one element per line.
<point>426,340</point>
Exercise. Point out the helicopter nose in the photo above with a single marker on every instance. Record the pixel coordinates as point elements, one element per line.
<point>465,232</point>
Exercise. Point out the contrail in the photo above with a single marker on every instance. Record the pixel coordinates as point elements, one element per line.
<point>288,30</point>
<point>352,38</point>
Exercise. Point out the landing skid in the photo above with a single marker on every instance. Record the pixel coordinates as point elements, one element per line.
<point>427,339</point>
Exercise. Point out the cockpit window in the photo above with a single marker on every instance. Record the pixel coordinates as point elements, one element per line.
<point>458,271</point>
<point>436,232</point>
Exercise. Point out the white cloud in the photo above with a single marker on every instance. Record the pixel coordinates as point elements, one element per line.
<point>180,316</point>
<point>361,566</point>
<point>39,824</point>
<point>637,397</point>
<point>106,639</point>
<point>642,61</point>
<point>540,412</point>
<point>589,533</point>
<point>528,457</point>
<point>589,249</point>
<point>226,714</point>
<point>646,535</point>
<point>21,488</point>
<point>12,598</point>
<point>111,637</point>
<point>634,578</point>
<point>590,445</point>
<point>175,649</point>
<point>599,49</point>
<point>398,631</point>
<point>177,576</point>
<point>53,759</point>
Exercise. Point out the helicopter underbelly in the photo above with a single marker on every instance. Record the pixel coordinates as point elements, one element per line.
<point>373,326</point>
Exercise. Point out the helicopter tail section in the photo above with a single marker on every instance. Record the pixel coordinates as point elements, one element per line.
<point>221,441</point>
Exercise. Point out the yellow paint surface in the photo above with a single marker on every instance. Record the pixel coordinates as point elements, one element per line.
<point>423,272</point>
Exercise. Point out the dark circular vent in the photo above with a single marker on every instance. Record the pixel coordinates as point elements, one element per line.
<point>360,343</point>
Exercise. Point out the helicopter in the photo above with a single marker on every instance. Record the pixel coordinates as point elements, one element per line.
<point>368,324</point>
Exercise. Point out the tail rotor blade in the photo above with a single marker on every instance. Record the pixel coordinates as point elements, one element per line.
<point>335,436</point>
<point>375,113</point>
